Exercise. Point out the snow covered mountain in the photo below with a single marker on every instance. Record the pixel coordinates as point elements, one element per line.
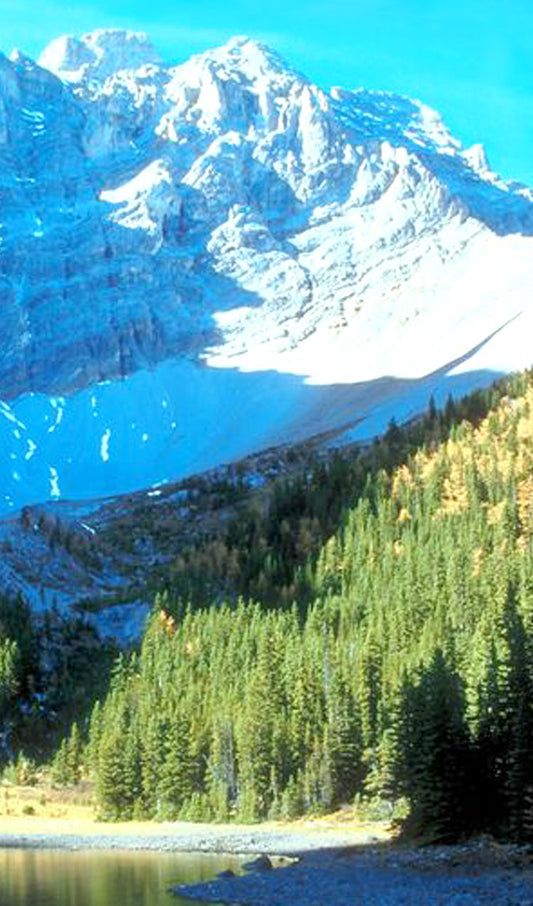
<point>204,260</point>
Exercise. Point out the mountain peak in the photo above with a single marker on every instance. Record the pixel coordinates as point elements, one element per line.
<point>243,45</point>
<point>19,58</point>
<point>364,244</point>
<point>98,54</point>
<point>476,156</point>
<point>238,41</point>
<point>251,57</point>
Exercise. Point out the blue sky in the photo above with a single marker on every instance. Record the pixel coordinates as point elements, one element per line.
<point>470,59</point>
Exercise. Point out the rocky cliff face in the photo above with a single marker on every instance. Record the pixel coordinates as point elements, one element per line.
<point>200,260</point>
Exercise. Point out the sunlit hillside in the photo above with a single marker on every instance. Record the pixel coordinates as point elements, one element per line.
<point>406,679</point>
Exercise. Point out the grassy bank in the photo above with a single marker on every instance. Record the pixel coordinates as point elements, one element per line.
<point>43,810</point>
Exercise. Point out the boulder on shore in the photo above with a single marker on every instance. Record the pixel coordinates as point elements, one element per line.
<point>261,863</point>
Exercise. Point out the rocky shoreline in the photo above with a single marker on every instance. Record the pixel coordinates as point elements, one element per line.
<point>476,874</point>
<point>319,865</point>
<point>186,837</point>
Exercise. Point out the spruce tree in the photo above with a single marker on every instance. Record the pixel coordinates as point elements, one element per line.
<point>435,753</point>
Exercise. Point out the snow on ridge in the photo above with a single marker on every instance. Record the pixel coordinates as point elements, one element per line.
<point>433,126</point>
<point>476,157</point>
<point>66,57</point>
<point>381,115</point>
<point>248,55</point>
<point>19,58</point>
<point>143,200</point>
<point>98,54</point>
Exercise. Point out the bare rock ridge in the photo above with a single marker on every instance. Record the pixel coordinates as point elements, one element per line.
<point>201,260</point>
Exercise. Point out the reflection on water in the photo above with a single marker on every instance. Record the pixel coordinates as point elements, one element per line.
<point>58,878</point>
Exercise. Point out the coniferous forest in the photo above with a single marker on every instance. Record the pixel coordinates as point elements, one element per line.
<point>368,638</point>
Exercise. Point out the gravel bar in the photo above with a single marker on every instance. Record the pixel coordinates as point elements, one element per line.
<point>185,837</point>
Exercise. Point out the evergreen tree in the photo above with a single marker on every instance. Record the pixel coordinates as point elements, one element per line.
<point>435,755</point>
<point>175,784</point>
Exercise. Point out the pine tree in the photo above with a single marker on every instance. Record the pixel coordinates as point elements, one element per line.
<point>175,785</point>
<point>519,721</point>
<point>435,755</point>
<point>114,795</point>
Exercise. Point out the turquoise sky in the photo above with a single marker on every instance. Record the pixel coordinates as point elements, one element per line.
<point>470,59</point>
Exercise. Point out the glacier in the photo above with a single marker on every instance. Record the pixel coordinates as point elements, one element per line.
<point>204,260</point>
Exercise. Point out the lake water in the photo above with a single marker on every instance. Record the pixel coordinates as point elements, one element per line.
<point>58,878</point>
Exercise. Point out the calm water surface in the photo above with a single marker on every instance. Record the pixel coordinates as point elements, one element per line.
<point>59,878</point>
